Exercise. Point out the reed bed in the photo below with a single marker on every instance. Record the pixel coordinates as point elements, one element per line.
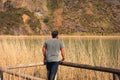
<point>97,51</point>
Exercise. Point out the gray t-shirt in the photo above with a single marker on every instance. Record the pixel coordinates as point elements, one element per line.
<point>53,47</point>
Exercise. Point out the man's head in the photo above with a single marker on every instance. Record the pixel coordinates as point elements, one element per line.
<point>54,34</point>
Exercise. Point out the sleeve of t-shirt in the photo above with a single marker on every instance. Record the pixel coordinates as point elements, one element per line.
<point>45,45</point>
<point>61,45</point>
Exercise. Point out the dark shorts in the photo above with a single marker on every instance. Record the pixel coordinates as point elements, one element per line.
<point>52,68</point>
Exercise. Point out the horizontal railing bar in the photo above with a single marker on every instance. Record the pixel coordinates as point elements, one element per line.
<point>97,68</point>
<point>25,66</point>
<point>19,74</point>
<point>76,65</point>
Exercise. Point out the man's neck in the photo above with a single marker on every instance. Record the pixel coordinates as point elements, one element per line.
<point>56,37</point>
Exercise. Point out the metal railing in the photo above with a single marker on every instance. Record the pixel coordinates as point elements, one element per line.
<point>115,72</point>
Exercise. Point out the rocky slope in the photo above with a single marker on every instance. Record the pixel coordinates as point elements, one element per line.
<point>90,16</point>
<point>31,17</point>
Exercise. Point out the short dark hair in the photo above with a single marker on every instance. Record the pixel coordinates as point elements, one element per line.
<point>54,34</point>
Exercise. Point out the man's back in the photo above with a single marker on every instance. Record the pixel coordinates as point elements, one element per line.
<point>53,47</point>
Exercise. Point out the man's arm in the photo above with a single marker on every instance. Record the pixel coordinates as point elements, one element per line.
<point>63,54</point>
<point>44,54</point>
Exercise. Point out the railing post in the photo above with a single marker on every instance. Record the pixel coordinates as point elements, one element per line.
<point>56,77</point>
<point>116,76</point>
<point>1,75</point>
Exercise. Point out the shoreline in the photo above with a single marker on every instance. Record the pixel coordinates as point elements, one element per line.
<point>60,36</point>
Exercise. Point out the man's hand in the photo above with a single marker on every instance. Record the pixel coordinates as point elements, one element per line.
<point>63,59</point>
<point>44,60</point>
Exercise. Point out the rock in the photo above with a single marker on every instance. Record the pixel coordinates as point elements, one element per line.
<point>113,2</point>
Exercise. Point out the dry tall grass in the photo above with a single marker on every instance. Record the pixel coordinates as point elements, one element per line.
<point>98,51</point>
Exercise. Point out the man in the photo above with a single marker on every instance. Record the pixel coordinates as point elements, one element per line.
<point>51,49</point>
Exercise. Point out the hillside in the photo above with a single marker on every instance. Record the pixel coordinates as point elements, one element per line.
<point>31,17</point>
<point>92,16</point>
